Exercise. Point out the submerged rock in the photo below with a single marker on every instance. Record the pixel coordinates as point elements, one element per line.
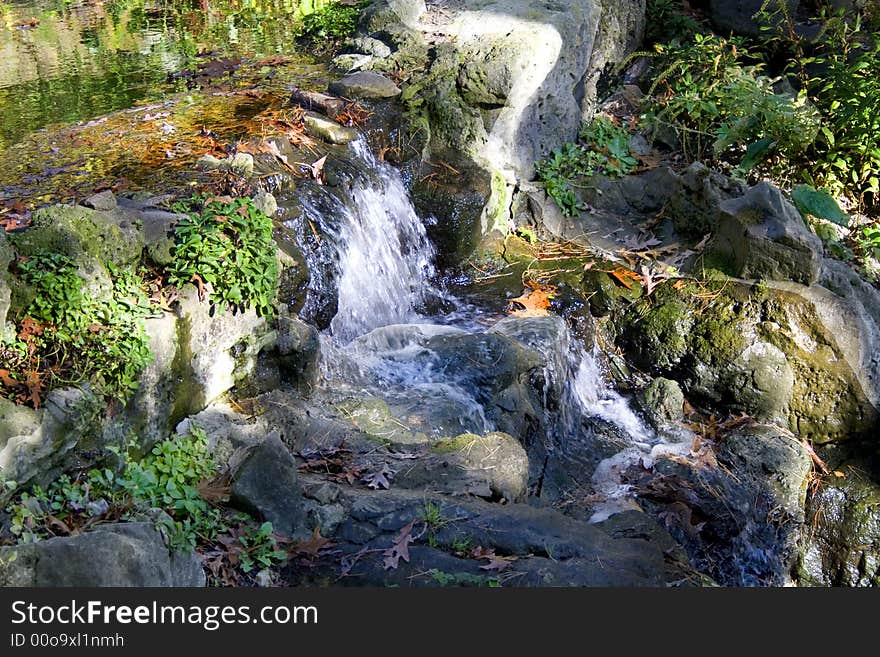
<point>330,131</point>
<point>121,554</point>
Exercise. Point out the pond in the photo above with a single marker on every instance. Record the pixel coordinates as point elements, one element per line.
<point>63,61</point>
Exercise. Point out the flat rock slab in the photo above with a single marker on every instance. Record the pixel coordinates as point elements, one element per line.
<point>364,84</point>
<point>328,130</point>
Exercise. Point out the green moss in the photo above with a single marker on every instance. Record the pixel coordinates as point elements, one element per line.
<point>718,334</point>
<point>498,206</point>
<point>658,330</point>
<point>457,444</point>
<point>605,295</point>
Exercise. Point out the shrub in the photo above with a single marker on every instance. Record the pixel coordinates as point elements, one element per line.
<point>333,21</point>
<point>227,248</point>
<point>66,335</point>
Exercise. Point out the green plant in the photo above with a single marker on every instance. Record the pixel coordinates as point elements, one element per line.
<point>714,94</point>
<point>260,549</point>
<point>444,579</point>
<point>66,335</point>
<point>604,148</point>
<point>227,249</point>
<point>334,21</point>
<point>168,478</point>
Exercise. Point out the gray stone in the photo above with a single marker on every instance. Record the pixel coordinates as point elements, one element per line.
<point>298,348</point>
<point>697,194</point>
<point>123,554</point>
<point>16,420</point>
<point>368,46</point>
<point>216,351</point>
<point>105,200</point>
<point>266,203</point>
<point>762,381</point>
<point>330,131</point>
<point>364,84</point>
<point>241,164</point>
<point>158,228</point>
<point>7,330</point>
<point>266,483</point>
<point>227,431</point>
<point>664,401</point>
<point>349,63</point>
<point>843,546</point>
<point>763,236</point>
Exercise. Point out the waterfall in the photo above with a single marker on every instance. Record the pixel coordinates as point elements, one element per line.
<point>386,260</point>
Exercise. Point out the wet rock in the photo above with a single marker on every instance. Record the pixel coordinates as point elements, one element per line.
<point>298,349</point>
<point>762,236</point>
<point>266,483</point>
<point>551,549</point>
<point>738,16</point>
<point>843,546</point>
<point>664,401</point>
<point>740,520</point>
<point>328,130</point>
<point>493,466</point>
<point>121,554</point>
<point>364,84</point>
<point>241,164</point>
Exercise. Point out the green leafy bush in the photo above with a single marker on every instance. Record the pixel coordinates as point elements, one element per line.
<point>66,335</point>
<point>334,21</point>
<point>666,21</point>
<point>603,148</point>
<point>226,245</point>
<point>715,96</point>
<point>259,549</point>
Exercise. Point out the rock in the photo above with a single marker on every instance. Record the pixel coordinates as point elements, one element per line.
<point>315,100</point>
<point>349,63</point>
<point>105,200</point>
<point>241,164</point>
<point>843,546</point>
<point>227,430</point>
<point>741,520</point>
<point>298,349</point>
<point>158,228</point>
<point>266,203</point>
<point>551,549</point>
<point>493,466</point>
<point>364,84</point>
<point>215,352</point>
<point>92,239</point>
<point>330,131</point>
<point>69,416</point>
<point>762,236</point>
<point>697,195</point>
<point>120,554</point>
<point>664,401</point>
<point>738,16</point>
<point>7,330</point>
<point>16,420</point>
<point>368,46</point>
<point>266,483</point>
<point>760,349</point>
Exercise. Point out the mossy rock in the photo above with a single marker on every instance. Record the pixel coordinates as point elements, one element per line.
<point>605,295</point>
<point>657,332</point>
<point>372,416</point>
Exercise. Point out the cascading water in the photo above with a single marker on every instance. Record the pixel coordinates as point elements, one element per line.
<point>382,343</point>
<point>386,260</point>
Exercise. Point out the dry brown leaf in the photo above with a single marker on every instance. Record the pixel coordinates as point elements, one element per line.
<point>399,548</point>
<point>216,490</point>
<point>313,545</point>
<point>535,302</point>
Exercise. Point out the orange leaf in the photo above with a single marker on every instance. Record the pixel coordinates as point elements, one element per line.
<point>535,302</point>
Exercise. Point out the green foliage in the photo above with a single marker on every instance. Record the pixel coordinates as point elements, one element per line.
<point>444,579</point>
<point>228,245</point>
<point>714,94</point>
<point>260,549</point>
<point>67,335</point>
<point>167,478</point>
<point>665,21</point>
<point>819,204</point>
<point>867,238</point>
<point>603,148</point>
<point>334,21</point>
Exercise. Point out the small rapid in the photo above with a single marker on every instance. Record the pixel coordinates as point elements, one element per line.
<point>384,343</point>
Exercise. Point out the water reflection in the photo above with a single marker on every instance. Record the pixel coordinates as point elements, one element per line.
<point>67,60</point>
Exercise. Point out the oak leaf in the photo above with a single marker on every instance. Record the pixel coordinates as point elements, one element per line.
<point>399,548</point>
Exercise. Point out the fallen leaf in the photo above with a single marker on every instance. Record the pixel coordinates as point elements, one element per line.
<point>7,380</point>
<point>379,480</point>
<point>313,545</point>
<point>216,490</point>
<point>624,276</point>
<point>34,385</point>
<point>399,548</point>
<point>498,564</point>
<point>535,302</point>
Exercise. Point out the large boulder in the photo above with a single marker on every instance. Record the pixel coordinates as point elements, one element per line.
<point>122,554</point>
<point>761,235</point>
<point>265,483</point>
